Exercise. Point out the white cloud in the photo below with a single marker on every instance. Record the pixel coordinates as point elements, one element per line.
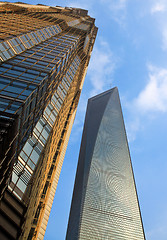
<point>132,128</point>
<point>150,102</point>
<point>160,232</point>
<point>82,4</point>
<point>101,68</point>
<point>158,7</point>
<point>117,9</point>
<point>153,97</point>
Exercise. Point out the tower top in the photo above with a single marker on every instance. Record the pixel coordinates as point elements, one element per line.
<point>8,6</point>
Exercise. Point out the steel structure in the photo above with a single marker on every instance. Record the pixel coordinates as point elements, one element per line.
<point>105,203</point>
<point>44,55</point>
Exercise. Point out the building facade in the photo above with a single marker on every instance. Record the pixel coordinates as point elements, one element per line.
<point>44,55</point>
<point>105,203</point>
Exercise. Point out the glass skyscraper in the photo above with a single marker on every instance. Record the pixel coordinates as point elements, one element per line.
<point>44,54</point>
<point>105,203</point>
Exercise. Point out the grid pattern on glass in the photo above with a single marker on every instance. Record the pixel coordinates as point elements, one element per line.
<point>110,207</point>
<point>28,157</point>
<point>26,21</point>
<point>28,80</point>
<point>21,76</point>
<point>19,44</point>
<point>16,85</point>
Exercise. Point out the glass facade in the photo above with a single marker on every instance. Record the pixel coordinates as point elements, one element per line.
<point>14,23</point>
<point>29,155</point>
<point>108,204</point>
<point>27,80</point>
<point>44,55</point>
<point>19,44</point>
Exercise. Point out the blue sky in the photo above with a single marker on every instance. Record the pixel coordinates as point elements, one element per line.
<point>131,53</point>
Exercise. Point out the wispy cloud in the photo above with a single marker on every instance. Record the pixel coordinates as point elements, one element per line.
<point>158,7</point>
<point>132,127</point>
<point>101,68</point>
<point>154,96</point>
<point>80,4</point>
<point>157,232</point>
<point>117,9</point>
<point>151,101</point>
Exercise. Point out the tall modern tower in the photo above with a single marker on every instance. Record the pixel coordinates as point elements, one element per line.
<point>44,55</point>
<point>105,203</point>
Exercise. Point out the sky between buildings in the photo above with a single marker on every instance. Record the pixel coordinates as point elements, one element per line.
<point>131,53</point>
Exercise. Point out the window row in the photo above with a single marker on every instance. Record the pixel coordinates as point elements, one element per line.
<point>30,154</point>
<point>19,44</point>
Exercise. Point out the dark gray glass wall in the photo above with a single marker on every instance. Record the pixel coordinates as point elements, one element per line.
<point>104,204</point>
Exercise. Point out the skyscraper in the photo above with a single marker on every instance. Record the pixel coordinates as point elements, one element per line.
<point>105,203</point>
<point>44,54</point>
